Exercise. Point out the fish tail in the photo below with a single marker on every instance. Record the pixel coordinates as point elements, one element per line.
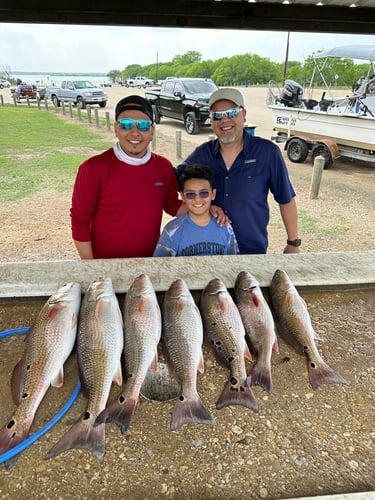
<point>237,394</point>
<point>82,435</point>
<point>260,375</point>
<point>119,412</point>
<point>190,411</point>
<point>12,434</point>
<point>321,373</point>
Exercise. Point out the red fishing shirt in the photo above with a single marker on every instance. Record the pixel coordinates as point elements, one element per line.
<point>119,207</point>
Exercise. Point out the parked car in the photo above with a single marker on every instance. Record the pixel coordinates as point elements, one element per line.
<point>31,92</point>
<point>79,92</point>
<point>138,81</point>
<point>184,99</point>
<point>4,84</point>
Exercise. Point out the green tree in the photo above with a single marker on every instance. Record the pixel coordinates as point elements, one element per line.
<point>114,75</point>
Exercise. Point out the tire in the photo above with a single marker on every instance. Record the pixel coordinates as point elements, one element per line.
<point>297,150</point>
<point>55,101</point>
<point>81,103</point>
<point>190,122</point>
<point>103,104</point>
<point>1,86</point>
<point>322,150</point>
<point>156,114</point>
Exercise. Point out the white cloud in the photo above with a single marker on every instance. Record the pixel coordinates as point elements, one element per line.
<point>68,48</point>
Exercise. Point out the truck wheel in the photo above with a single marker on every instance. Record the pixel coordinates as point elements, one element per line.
<point>81,103</point>
<point>103,104</point>
<point>322,150</point>
<point>297,150</point>
<point>191,125</point>
<point>55,101</point>
<point>156,114</point>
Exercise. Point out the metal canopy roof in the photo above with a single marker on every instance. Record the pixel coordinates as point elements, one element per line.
<point>363,52</point>
<point>330,16</point>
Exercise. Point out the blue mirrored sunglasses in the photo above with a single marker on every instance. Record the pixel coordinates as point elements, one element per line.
<point>229,113</point>
<point>190,195</point>
<point>128,124</point>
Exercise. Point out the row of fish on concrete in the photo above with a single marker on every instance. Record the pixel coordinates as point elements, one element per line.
<point>102,333</point>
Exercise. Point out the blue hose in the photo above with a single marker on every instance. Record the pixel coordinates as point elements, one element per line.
<point>6,333</point>
<point>31,439</point>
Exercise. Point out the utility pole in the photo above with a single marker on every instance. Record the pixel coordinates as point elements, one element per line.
<point>286,56</point>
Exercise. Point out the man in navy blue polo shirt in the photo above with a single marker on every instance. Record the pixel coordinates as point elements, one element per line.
<point>246,169</point>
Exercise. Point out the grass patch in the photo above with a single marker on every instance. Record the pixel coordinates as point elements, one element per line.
<point>311,225</point>
<point>37,152</point>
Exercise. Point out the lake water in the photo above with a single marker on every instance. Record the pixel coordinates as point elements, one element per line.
<point>46,80</point>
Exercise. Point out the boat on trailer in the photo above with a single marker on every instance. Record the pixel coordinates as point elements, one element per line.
<point>331,126</point>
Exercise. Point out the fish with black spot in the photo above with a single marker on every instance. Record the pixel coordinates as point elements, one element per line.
<point>225,334</point>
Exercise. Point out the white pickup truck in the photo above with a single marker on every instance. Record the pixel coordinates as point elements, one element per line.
<point>79,92</point>
<point>139,81</point>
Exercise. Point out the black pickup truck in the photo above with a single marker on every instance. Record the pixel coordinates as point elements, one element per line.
<point>184,99</point>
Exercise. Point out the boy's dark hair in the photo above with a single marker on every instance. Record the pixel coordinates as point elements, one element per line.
<point>197,172</point>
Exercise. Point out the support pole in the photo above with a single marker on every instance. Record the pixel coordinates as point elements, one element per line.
<point>316,177</point>
<point>178,144</point>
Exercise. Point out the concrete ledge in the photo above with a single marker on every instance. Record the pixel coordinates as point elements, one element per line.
<point>307,270</point>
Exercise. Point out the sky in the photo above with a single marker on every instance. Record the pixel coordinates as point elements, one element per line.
<point>91,49</point>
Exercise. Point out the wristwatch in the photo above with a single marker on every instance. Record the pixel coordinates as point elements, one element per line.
<point>294,243</point>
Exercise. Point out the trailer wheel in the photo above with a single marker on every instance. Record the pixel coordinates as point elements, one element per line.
<point>322,150</point>
<point>156,113</point>
<point>297,150</point>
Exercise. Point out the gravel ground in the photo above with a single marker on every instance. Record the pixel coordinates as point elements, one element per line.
<point>302,442</point>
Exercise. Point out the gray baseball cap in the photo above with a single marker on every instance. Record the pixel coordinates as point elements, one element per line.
<point>228,94</point>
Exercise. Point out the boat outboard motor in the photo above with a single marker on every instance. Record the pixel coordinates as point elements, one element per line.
<point>291,94</point>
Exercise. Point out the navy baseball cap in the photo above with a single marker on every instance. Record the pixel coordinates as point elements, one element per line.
<point>137,103</point>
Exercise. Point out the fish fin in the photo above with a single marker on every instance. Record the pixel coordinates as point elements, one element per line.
<point>18,379</point>
<point>256,300</point>
<point>58,381</point>
<point>247,353</point>
<point>260,375</point>
<point>275,346</point>
<point>55,310</point>
<point>12,434</point>
<point>190,411</point>
<point>236,394</point>
<point>82,435</point>
<point>119,412</point>
<point>74,320</point>
<point>117,377</point>
<point>141,305</point>
<point>223,303</point>
<point>101,306</point>
<point>201,364</point>
<point>321,373</point>
<point>289,298</point>
<point>154,362</point>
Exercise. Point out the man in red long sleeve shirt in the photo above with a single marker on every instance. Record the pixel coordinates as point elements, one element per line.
<point>119,195</point>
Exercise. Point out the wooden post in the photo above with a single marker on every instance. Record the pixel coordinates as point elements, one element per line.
<point>107,120</point>
<point>316,177</point>
<point>2,99</point>
<point>46,104</point>
<point>88,107</point>
<point>15,100</point>
<point>96,117</point>
<point>38,102</point>
<point>63,107</point>
<point>70,109</point>
<point>28,101</point>
<point>178,144</point>
<point>79,112</point>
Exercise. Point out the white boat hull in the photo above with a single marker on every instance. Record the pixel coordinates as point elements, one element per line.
<point>347,129</point>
